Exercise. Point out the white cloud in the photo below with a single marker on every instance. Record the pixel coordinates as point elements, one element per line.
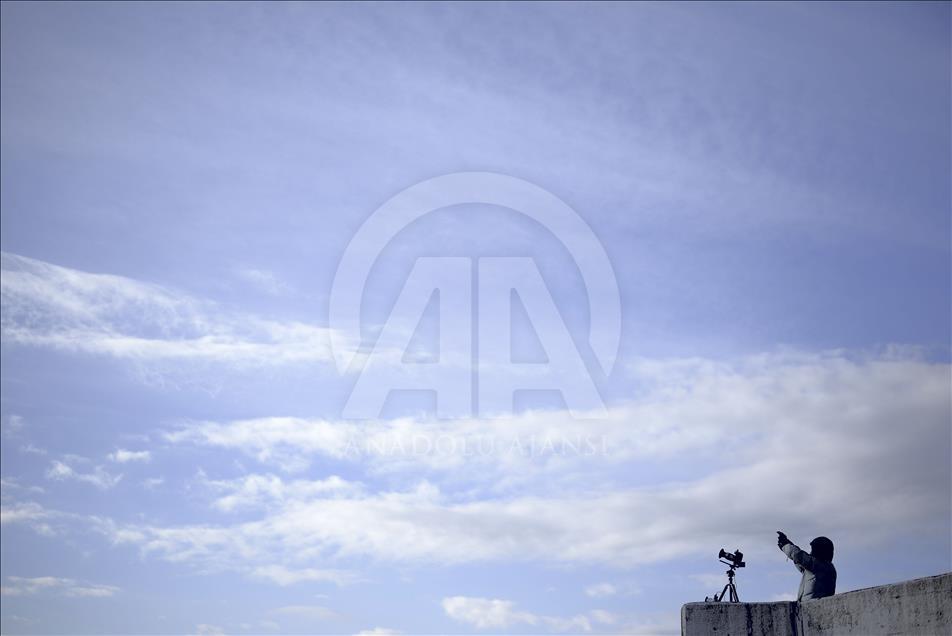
<point>92,590</point>
<point>378,631</point>
<point>710,581</point>
<point>10,483</point>
<point>799,429</point>
<point>603,590</point>
<point>283,441</point>
<point>123,456</point>
<point>284,576</point>
<point>424,525</point>
<point>152,483</point>
<point>264,280</point>
<point>59,471</point>
<point>603,616</point>
<point>309,612</point>
<point>30,514</point>
<point>205,629</point>
<point>20,586</point>
<point>600,590</point>
<point>255,491</point>
<point>685,408</point>
<point>485,613</point>
<point>22,512</point>
<point>12,425</point>
<point>49,306</point>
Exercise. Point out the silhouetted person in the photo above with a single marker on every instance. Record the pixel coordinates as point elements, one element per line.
<point>819,575</point>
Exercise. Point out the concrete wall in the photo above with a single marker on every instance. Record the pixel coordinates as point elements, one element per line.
<point>739,619</point>
<point>920,606</point>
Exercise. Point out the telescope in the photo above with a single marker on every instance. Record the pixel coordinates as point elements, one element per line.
<point>735,560</point>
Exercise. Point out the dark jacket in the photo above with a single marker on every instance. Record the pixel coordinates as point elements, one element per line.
<point>819,577</point>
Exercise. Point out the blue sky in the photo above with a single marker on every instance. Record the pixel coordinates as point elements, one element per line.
<point>770,184</point>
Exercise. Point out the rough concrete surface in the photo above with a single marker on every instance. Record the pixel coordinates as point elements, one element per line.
<point>739,619</point>
<point>919,606</point>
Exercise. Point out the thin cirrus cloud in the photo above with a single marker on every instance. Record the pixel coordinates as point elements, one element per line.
<point>283,576</point>
<point>30,514</point>
<point>99,477</point>
<point>25,586</point>
<point>65,309</point>
<point>599,590</point>
<point>261,491</point>
<point>123,456</point>
<point>264,280</point>
<point>12,425</point>
<point>308,612</point>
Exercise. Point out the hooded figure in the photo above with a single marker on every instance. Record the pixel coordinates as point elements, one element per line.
<point>819,575</point>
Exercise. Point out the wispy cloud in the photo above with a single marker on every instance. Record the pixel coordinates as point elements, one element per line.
<point>708,581</point>
<point>123,456</point>
<point>265,491</point>
<point>153,482</point>
<point>12,425</point>
<point>29,513</point>
<point>264,280</point>
<point>11,483</point>
<point>485,613</point>
<point>309,612</point>
<point>284,576</point>
<point>100,478</point>
<point>599,590</point>
<point>683,407</point>
<point>55,307</point>
<point>295,529</point>
<point>21,586</point>
<point>855,402</point>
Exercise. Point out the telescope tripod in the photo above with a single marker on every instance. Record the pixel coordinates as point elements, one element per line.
<point>729,588</point>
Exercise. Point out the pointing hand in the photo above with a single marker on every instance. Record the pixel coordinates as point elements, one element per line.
<point>782,539</point>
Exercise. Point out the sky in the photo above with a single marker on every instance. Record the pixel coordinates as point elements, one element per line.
<point>181,183</point>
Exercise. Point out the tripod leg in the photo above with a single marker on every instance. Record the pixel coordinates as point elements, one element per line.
<point>723,592</point>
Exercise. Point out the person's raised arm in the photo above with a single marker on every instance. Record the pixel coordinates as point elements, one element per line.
<point>801,559</point>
